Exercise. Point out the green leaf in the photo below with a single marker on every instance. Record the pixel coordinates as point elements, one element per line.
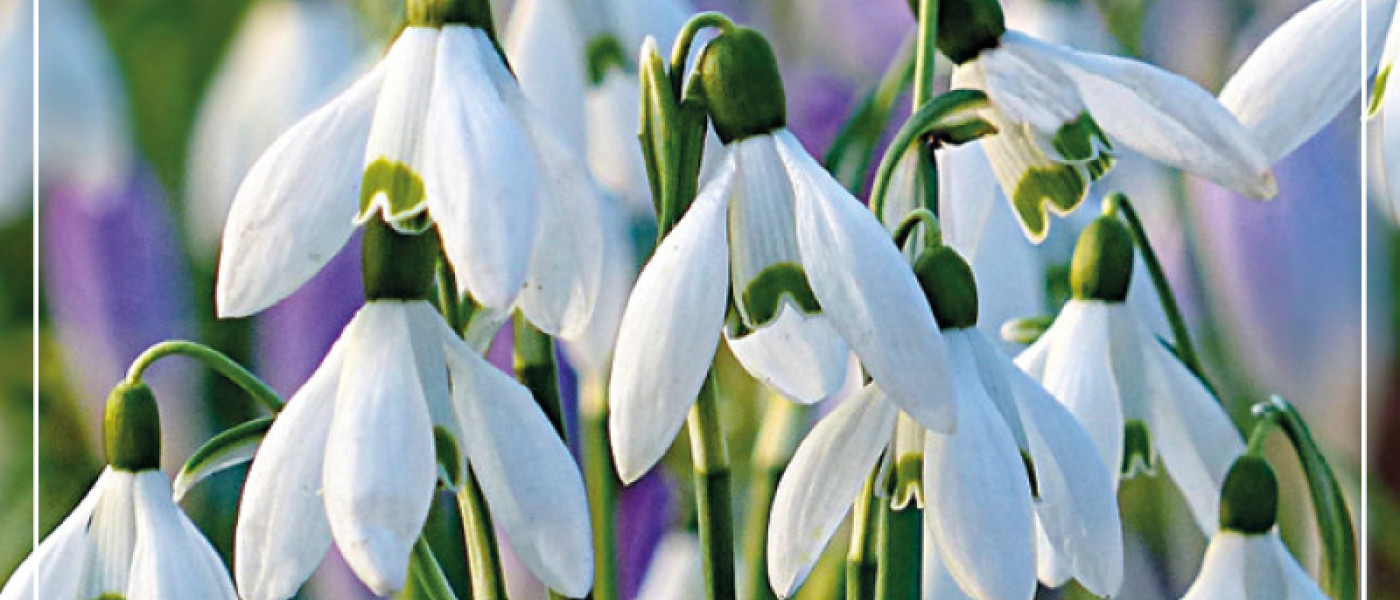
<point>228,449</point>
<point>952,117</point>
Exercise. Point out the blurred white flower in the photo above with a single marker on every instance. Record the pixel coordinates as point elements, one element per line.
<point>1242,566</point>
<point>352,458</point>
<point>438,132</point>
<point>16,106</point>
<point>126,539</point>
<point>812,272</point>
<point>289,57</point>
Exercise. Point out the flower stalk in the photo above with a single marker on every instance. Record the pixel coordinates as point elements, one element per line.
<point>900,539</point>
<point>215,360</point>
<point>537,369</point>
<point>427,574</point>
<point>861,565</point>
<point>602,487</point>
<point>483,555</point>
<point>709,455</point>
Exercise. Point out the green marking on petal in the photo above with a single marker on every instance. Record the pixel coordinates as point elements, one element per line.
<point>1075,139</point>
<point>603,54</point>
<point>110,596</point>
<point>763,296</point>
<point>909,481</point>
<point>393,189</point>
<point>1061,186</point>
<point>1378,91</point>
<point>1138,458</point>
<point>1029,463</point>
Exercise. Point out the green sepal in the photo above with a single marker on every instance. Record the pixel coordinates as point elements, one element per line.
<point>398,266</point>
<point>1102,266</point>
<point>436,13</point>
<point>967,27</point>
<point>949,286</point>
<point>131,428</point>
<point>1026,330</point>
<point>763,296</point>
<point>406,204</point>
<point>603,54</point>
<point>449,458</point>
<point>1139,458</point>
<point>742,86</point>
<point>672,137</point>
<point>229,449</point>
<point>1249,497</point>
<point>951,118</point>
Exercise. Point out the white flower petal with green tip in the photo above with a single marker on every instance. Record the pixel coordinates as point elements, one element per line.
<point>546,51</point>
<point>1239,567</point>
<point>56,566</point>
<point>1295,82</point>
<point>481,177</point>
<point>526,473</point>
<point>1167,118</point>
<point>1078,372</point>
<point>669,333</point>
<point>976,486</point>
<point>282,531</point>
<point>868,291</point>
<point>297,206</point>
<point>381,465</point>
<point>171,559</point>
<point>566,265</point>
<point>1025,85</point>
<point>400,124</point>
<point>762,230</point>
<point>1077,511</point>
<point>111,536</point>
<point>822,482</point>
<point>798,354</point>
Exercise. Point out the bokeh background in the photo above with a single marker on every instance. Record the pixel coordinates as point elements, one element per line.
<point>152,109</point>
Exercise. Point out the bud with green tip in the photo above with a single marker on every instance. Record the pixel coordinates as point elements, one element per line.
<point>1249,498</point>
<point>949,286</point>
<point>742,86</point>
<point>1102,266</point>
<point>436,13</point>
<point>131,428</point>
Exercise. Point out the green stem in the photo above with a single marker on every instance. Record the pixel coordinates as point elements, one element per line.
<point>1339,566</point>
<point>427,574</point>
<point>483,557</point>
<point>537,369</point>
<point>214,359</point>
<point>602,486</point>
<point>680,51</point>
<point>1185,350</point>
<point>861,561</point>
<point>709,455</point>
<point>925,52</point>
<point>901,538</point>
<point>933,235</point>
<point>783,424</point>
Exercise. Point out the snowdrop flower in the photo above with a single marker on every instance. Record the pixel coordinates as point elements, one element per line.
<point>1058,112</point>
<point>812,273</point>
<point>354,457</point>
<point>1247,560</point>
<point>1302,75</point>
<point>1138,401</point>
<point>127,538</point>
<point>288,58</point>
<point>1018,467</point>
<point>437,133</point>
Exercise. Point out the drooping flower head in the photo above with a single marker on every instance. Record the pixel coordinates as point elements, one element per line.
<point>438,133</point>
<point>1137,400</point>
<point>1058,113</point>
<point>127,538</point>
<point>1019,471</point>
<point>808,271</point>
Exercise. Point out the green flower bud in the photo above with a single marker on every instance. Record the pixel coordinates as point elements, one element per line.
<point>398,266</point>
<point>1249,498</point>
<point>1103,262</point>
<point>949,286</point>
<point>436,13</point>
<point>741,85</point>
<point>131,428</point>
<point>967,27</point>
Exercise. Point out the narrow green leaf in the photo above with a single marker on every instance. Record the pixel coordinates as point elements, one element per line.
<point>228,449</point>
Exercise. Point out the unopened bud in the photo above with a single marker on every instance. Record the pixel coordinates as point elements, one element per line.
<point>1103,262</point>
<point>949,286</point>
<point>742,86</point>
<point>131,428</point>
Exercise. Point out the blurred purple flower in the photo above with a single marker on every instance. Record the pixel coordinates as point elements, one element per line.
<point>294,335</point>
<point>645,511</point>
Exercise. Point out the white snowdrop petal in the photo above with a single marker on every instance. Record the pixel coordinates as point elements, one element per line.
<point>1078,373</point>
<point>1297,582</point>
<point>55,569</point>
<point>111,537</point>
<point>615,157</point>
<point>400,123</point>
<point>526,473</point>
<point>966,202</point>
<point>1169,119</point>
<point>1078,509</point>
<point>1390,145</point>
<point>976,484</point>
<point>979,375</point>
<point>297,205</point>
<point>761,226</point>
<point>426,325</point>
<point>172,560</point>
<point>937,583</point>
<point>381,466</point>
<point>1295,82</point>
<point>1026,85</point>
<point>868,291</point>
<point>546,51</point>
<point>1222,575</point>
<point>591,353</point>
<point>800,355</point>
<point>282,531</point>
<point>669,333</point>
<point>822,482</point>
<point>480,173</point>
